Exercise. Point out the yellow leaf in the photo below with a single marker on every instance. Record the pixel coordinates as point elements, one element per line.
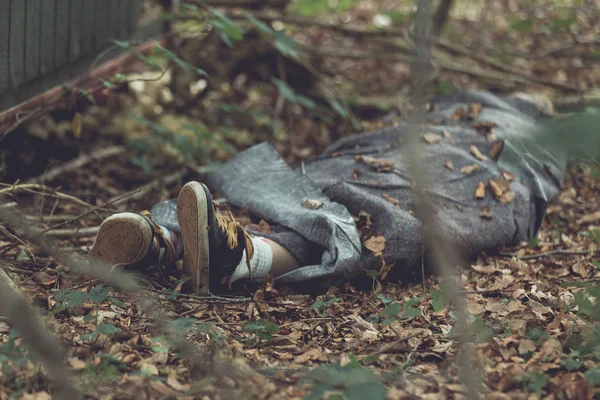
<point>375,243</point>
<point>76,125</point>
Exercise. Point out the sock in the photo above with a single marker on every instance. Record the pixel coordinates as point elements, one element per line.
<point>175,238</point>
<point>260,263</point>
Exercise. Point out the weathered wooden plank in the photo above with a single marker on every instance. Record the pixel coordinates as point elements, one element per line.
<point>4,45</point>
<point>48,21</point>
<point>17,43</point>
<point>134,13</point>
<point>61,33</point>
<point>124,24</point>
<point>102,18</point>
<point>88,32</point>
<point>33,11</point>
<point>76,23</point>
<point>114,19</point>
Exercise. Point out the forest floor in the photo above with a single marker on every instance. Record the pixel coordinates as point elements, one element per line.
<point>531,308</point>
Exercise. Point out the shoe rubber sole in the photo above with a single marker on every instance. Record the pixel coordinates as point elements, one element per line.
<point>123,239</point>
<point>192,213</point>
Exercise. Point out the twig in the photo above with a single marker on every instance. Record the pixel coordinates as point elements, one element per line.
<point>113,201</point>
<point>545,254</point>
<point>358,31</point>
<point>441,63</point>
<point>558,49</point>
<point>28,187</point>
<point>143,191</point>
<point>391,346</point>
<point>69,233</point>
<point>14,237</point>
<point>77,163</point>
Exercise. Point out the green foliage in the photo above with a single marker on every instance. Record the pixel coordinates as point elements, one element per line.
<point>394,311</point>
<point>104,328</point>
<point>227,30</point>
<point>69,299</point>
<point>13,355</point>
<point>282,42</point>
<point>291,96</point>
<point>537,336</point>
<point>309,8</point>
<point>481,330</point>
<point>351,382</point>
<point>261,328</point>
<point>193,146</point>
<point>572,361</point>
<point>592,376</point>
<point>108,368</point>
<point>321,306</point>
<point>437,300</point>
<point>534,382</point>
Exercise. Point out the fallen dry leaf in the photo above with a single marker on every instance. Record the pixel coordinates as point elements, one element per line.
<point>485,212</point>
<point>477,153</point>
<point>392,200</point>
<point>447,135</point>
<point>484,269</point>
<point>431,138</point>
<point>526,346</point>
<point>588,218</point>
<point>496,189</point>
<point>508,176</point>
<point>459,114</point>
<point>448,164</point>
<point>469,169</point>
<point>483,127</point>
<point>496,149</point>
<point>376,244</point>
<point>312,204</point>
<point>480,190</point>
<point>379,165</point>
<point>507,197</point>
<point>474,109</point>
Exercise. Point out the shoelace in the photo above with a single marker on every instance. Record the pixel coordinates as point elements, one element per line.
<point>160,240</point>
<point>232,228</point>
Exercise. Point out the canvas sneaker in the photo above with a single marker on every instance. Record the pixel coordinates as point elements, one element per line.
<point>213,241</point>
<point>129,239</point>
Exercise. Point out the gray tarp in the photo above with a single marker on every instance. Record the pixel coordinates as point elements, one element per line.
<point>258,179</point>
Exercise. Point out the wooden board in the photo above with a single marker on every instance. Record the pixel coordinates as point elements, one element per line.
<point>4,44</point>
<point>33,11</point>
<point>47,35</point>
<point>44,43</point>
<point>16,52</point>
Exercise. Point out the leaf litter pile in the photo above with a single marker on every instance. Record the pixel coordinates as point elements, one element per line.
<point>531,308</point>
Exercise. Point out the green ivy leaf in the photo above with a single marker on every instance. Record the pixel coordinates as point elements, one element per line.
<point>585,306</point>
<point>181,325</point>
<point>384,299</point>
<point>437,305</point>
<point>571,363</point>
<point>72,298</point>
<point>98,294</point>
<point>391,310</point>
<point>108,329</point>
<point>410,313</point>
<point>592,376</point>
<point>260,326</point>
<point>117,302</point>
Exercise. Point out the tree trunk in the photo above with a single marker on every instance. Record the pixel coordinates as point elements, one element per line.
<point>441,16</point>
